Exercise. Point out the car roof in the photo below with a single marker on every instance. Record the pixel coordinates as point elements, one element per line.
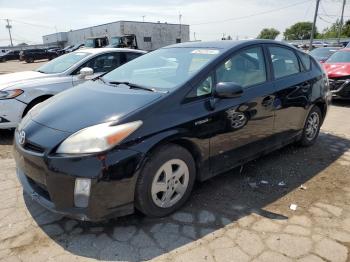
<point>103,50</point>
<point>226,44</point>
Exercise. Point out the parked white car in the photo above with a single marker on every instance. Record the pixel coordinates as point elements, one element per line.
<point>19,92</point>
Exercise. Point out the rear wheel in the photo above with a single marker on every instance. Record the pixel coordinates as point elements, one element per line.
<point>166,181</point>
<point>30,60</point>
<point>312,127</point>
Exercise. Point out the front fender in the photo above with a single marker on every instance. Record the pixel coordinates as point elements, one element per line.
<point>197,147</point>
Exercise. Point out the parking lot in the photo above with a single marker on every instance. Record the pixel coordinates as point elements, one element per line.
<point>242,215</point>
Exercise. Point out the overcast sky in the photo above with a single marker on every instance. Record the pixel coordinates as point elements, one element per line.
<point>208,19</point>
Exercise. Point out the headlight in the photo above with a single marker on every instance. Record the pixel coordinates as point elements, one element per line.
<point>10,94</point>
<point>97,138</point>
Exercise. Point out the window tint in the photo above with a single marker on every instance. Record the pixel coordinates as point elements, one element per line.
<point>284,62</point>
<point>103,63</point>
<point>306,61</point>
<point>246,68</point>
<point>132,56</point>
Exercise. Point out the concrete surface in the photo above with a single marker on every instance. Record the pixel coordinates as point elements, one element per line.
<point>226,219</point>
<point>18,66</point>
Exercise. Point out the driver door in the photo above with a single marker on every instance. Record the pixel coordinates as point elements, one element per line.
<point>240,128</point>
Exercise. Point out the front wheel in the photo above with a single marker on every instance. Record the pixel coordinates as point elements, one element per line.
<point>166,181</point>
<point>312,127</point>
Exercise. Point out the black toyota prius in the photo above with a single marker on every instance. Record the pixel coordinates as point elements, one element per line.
<point>140,136</point>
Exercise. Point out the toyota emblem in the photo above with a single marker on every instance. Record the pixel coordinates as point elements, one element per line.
<point>21,137</point>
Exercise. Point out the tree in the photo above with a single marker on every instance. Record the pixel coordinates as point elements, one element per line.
<point>332,31</point>
<point>299,31</point>
<point>268,33</point>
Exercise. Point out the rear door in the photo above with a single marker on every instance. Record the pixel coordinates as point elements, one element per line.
<point>293,89</point>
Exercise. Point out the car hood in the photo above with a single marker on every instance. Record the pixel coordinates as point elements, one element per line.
<point>12,79</point>
<point>337,69</point>
<point>90,104</point>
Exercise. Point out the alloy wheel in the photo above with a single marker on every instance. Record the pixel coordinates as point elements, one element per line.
<point>312,126</point>
<point>170,183</point>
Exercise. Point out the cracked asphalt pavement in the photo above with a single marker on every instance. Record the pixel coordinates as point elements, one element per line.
<point>242,215</point>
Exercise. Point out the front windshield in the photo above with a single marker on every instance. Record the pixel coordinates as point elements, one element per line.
<point>116,40</point>
<point>90,43</point>
<point>339,57</point>
<point>165,68</point>
<point>62,63</point>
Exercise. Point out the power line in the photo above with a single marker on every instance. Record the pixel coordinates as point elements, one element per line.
<point>255,14</point>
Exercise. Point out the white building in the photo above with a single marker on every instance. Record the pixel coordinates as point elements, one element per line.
<point>149,36</point>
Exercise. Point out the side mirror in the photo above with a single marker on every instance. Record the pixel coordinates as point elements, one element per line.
<point>228,90</point>
<point>85,71</point>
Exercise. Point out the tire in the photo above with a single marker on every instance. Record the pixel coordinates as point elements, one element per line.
<point>3,60</point>
<point>312,127</point>
<point>177,186</point>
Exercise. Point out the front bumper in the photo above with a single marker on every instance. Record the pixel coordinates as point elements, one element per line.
<point>11,111</point>
<point>50,181</point>
<point>340,88</point>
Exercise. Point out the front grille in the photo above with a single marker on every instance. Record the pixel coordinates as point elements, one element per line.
<point>39,188</point>
<point>34,148</point>
<point>337,83</point>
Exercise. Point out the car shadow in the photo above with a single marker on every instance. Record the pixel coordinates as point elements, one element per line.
<point>340,102</point>
<point>214,204</point>
<point>6,137</point>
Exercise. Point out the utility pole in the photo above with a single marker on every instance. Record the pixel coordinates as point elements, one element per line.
<point>180,18</point>
<point>8,26</point>
<point>314,25</point>
<point>341,21</point>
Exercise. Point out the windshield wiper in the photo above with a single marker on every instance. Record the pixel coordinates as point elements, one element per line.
<point>99,78</point>
<point>133,86</point>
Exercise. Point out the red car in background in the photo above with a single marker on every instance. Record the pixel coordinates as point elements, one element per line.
<point>337,67</point>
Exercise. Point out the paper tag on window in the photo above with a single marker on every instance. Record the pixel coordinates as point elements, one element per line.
<point>205,51</point>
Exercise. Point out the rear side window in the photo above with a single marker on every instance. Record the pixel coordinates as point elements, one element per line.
<point>306,61</point>
<point>284,62</point>
<point>245,68</point>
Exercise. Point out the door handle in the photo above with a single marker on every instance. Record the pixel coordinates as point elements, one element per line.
<point>268,101</point>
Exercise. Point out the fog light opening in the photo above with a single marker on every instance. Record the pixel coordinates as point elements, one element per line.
<point>82,192</point>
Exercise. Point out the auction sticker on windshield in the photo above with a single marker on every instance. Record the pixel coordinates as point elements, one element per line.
<point>205,51</point>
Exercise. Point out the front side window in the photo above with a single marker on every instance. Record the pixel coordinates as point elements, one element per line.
<point>284,62</point>
<point>102,63</point>
<point>165,68</point>
<point>132,56</point>
<point>62,63</point>
<point>245,68</point>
